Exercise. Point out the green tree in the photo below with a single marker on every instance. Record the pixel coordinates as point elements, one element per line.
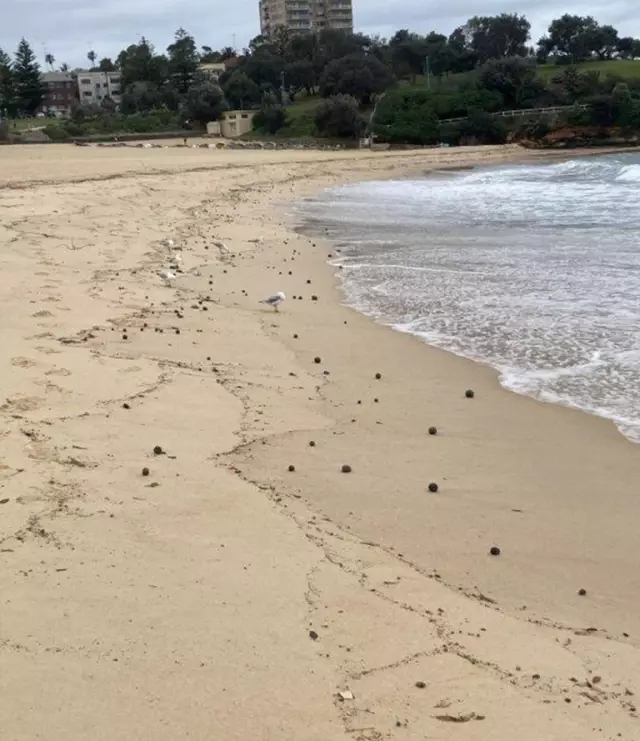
<point>359,75</point>
<point>240,91</point>
<point>603,41</point>
<point>570,37</point>
<point>141,97</point>
<point>408,52</point>
<point>140,63</point>
<point>29,90</point>
<point>270,119</point>
<point>338,117</point>
<point>64,67</point>
<point>106,65</point>
<point>183,61</point>
<point>92,56</point>
<point>513,78</point>
<point>204,102</point>
<point>7,88</point>
<point>499,36</point>
<point>50,60</point>
<point>463,57</point>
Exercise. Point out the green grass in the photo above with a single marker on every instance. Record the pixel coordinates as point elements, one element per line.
<point>21,124</point>
<point>629,68</point>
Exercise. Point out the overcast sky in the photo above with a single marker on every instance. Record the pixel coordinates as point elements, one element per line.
<point>69,28</point>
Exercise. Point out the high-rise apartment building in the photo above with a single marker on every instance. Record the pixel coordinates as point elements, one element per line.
<point>303,16</point>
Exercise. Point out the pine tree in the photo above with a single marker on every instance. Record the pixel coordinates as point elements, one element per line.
<point>7,90</point>
<point>29,89</point>
<point>183,61</point>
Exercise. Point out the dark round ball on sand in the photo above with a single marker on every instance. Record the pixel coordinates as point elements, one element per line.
<point>314,298</point>
<point>292,469</point>
<point>420,685</point>
<point>582,592</point>
<point>312,443</point>
<point>125,337</point>
<point>433,430</point>
<point>469,393</point>
<point>346,468</point>
<point>295,336</point>
<point>158,450</point>
<point>494,551</point>
<point>126,406</point>
<point>433,487</point>
<point>145,471</point>
<point>317,359</point>
<point>378,376</point>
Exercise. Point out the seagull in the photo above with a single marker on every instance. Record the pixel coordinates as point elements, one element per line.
<point>274,300</point>
<point>167,276</point>
<point>222,248</point>
<point>176,261</point>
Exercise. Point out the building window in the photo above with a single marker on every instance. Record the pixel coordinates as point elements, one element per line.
<point>87,94</point>
<point>85,81</point>
<point>115,91</point>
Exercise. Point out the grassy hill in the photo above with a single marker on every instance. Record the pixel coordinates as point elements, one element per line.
<point>629,68</point>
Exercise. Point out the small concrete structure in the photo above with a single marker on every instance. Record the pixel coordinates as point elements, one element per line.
<point>232,124</point>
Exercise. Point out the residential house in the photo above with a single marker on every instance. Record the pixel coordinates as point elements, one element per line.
<point>61,91</point>
<point>212,70</point>
<point>305,16</point>
<point>95,86</point>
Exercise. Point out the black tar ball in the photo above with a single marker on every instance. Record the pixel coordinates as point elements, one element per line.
<point>346,468</point>
<point>292,469</point>
<point>158,450</point>
<point>469,393</point>
<point>433,487</point>
<point>317,359</point>
<point>494,551</point>
<point>145,471</point>
<point>433,430</point>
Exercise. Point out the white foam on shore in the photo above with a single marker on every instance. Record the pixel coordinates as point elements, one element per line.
<point>534,270</point>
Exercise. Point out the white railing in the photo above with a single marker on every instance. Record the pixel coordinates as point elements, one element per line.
<point>525,112</point>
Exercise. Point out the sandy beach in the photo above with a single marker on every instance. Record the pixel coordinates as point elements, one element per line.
<point>243,586</point>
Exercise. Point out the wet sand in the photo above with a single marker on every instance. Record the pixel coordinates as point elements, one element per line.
<point>223,595</point>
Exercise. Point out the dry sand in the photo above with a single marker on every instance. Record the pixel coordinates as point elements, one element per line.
<point>224,597</point>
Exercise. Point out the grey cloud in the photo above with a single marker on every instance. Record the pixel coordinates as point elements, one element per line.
<point>69,28</point>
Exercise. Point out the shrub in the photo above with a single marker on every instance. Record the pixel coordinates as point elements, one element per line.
<point>338,117</point>
<point>270,120</point>
<point>482,128</point>
<point>56,133</point>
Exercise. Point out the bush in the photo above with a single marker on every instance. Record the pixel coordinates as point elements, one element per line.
<point>482,128</point>
<point>56,133</point>
<point>338,117</point>
<point>270,120</point>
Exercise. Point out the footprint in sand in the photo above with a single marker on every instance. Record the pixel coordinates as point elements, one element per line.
<point>22,362</point>
<point>21,403</point>
<point>42,313</point>
<point>58,372</point>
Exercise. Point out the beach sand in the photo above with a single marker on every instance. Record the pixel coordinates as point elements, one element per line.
<point>223,596</point>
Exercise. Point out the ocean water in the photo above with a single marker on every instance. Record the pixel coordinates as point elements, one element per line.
<point>533,269</point>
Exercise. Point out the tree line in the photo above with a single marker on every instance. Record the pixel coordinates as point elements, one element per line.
<point>348,69</point>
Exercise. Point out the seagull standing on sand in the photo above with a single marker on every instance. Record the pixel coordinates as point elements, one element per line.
<point>274,300</point>
<point>222,248</point>
<point>167,276</point>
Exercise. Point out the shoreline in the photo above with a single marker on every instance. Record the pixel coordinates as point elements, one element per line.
<point>224,594</point>
<point>306,230</point>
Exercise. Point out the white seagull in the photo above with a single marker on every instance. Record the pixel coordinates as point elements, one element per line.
<point>274,300</point>
<point>167,276</point>
<point>222,248</point>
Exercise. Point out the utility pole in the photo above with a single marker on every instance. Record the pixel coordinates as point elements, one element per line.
<point>282,89</point>
<point>427,72</point>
